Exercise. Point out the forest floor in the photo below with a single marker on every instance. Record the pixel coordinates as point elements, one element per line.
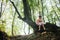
<point>37,36</point>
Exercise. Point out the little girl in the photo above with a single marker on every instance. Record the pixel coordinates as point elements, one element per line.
<point>40,22</point>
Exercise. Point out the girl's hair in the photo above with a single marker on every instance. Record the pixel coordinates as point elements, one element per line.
<point>39,16</point>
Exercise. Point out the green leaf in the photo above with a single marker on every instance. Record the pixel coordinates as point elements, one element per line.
<point>2,0</point>
<point>6,1</point>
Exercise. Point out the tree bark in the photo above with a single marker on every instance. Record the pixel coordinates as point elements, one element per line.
<point>27,10</point>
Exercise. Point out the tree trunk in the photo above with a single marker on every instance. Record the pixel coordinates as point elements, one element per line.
<point>59,1</point>
<point>27,10</point>
<point>1,10</point>
<point>42,10</point>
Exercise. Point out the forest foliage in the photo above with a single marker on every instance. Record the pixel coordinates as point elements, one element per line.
<point>18,17</point>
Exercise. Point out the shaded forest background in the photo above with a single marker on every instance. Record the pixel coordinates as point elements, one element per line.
<point>18,17</point>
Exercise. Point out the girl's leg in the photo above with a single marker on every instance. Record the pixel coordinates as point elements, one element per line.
<point>43,26</point>
<point>39,27</point>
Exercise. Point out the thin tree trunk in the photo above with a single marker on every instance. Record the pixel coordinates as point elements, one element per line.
<point>29,30</point>
<point>13,24</point>
<point>24,28</point>
<point>1,10</point>
<point>42,10</point>
<point>13,21</point>
<point>33,15</point>
<point>39,7</point>
<point>59,1</point>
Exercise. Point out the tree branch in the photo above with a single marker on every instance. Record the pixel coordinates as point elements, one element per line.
<point>16,9</point>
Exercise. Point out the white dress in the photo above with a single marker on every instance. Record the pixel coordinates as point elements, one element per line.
<point>39,23</point>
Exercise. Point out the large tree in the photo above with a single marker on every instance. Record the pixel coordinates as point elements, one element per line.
<point>27,14</point>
